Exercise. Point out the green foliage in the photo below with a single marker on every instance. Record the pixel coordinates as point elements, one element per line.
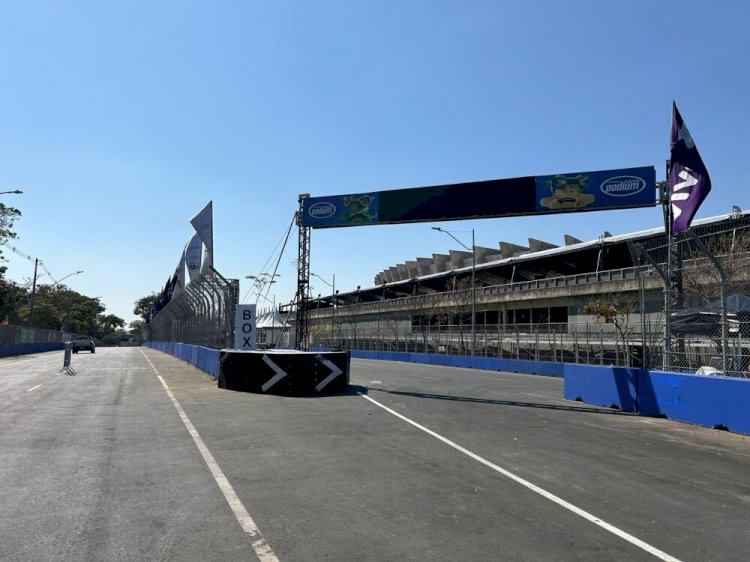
<point>12,296</point>
<point>56,307</point>
<point>7,216</point>
<point>136,327</point>
<point>143,305</point>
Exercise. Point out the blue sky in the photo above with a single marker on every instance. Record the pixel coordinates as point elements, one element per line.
<point>121,119</point>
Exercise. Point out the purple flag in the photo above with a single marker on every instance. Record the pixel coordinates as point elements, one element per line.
<point>689,182</point>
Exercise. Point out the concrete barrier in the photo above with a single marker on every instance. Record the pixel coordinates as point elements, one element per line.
<point>611,387</point>
<point>11,349</point>
<point>486,363</point>
<point>718,402</point>
<point>204,358</point>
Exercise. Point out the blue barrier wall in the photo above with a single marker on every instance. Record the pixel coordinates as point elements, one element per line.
<point>9,349</point>
<point>204,358</point>
<point>703,400</point>
<point>612,387</point>
<point>486,363</point>
<point>720,402</point>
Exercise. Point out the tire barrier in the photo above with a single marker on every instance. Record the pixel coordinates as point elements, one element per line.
<point>285,372</point>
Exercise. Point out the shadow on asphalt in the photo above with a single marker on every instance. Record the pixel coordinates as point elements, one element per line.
<point>503,402</point>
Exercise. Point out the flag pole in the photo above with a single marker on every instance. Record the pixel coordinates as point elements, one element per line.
<point>668,219</point>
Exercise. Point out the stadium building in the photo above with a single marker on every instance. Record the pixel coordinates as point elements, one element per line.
<point>537,301</point>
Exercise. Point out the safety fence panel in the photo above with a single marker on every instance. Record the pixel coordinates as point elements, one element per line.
<point>201,314</point>
<point>705,301</point>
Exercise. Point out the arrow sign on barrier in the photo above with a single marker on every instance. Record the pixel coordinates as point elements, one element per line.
<point>335,372</point>
<point>280,374</point>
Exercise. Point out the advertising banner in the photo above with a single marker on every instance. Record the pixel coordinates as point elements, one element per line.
<point>595,191</point>
<point>580,191</point>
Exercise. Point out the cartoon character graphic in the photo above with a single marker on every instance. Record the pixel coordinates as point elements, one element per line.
<point>357,209</point>
<point>567,193</point>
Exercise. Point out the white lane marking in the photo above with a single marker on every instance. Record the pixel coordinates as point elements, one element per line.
<point>262,549</point>
<point>34,388</point>
<point>335,372</point>
<point>534,488</point>
<point>280,374</point>
<point>541,396</point>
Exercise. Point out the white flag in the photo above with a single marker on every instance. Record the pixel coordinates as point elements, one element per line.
<point>203,223</point>
<point>193,256</point>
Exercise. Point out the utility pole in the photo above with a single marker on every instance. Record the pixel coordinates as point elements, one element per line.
<point>33,292</point>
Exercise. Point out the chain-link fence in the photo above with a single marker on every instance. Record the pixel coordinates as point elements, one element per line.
<point>586,343</point>
<point>200,314</point>
<point>12,334</point>
<point>705,294</point>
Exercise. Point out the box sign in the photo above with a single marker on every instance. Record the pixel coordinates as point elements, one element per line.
<point>244,327</point>
<point>532,195</point>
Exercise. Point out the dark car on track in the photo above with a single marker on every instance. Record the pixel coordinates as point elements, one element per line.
<point>83,342</point>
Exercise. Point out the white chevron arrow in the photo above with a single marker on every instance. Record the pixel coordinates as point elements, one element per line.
<point>335,372</point>
<point>280,374</point>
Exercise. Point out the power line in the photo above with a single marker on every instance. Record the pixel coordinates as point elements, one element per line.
<point>37,260</point>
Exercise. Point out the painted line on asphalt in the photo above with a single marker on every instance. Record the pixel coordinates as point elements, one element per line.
<point>33,388</point>
<point>533,487</point>
<point>262,549</point>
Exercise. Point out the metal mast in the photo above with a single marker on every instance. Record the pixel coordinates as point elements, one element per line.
<point>303,279</point>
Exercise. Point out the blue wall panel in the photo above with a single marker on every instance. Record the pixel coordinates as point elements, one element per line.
<point>10,349</point>
<point>602,386</point>
<point>698,399</point>
<point>203,358</point>
<point>463,361</point>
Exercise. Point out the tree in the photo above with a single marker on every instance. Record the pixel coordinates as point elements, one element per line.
<point>8,215</point>
<point>614,311</point>
<point>137,327</point>
<point>144,305</point>
<point>12,296</point>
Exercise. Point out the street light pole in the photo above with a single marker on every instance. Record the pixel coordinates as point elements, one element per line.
<point>473,284</point>
<point>64,278</point>
<point>333,299</point>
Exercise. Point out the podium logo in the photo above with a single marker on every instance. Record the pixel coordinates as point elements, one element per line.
<point>623,186</point>
<point>322,210</point>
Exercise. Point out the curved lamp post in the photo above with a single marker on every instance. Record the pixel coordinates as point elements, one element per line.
<point>68,275</point>
<point>473,284</point>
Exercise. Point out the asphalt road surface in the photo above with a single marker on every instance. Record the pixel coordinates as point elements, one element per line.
<point>141,457</point>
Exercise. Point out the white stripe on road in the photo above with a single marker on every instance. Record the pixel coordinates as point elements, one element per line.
<point>262,549</point>
<point>534,488</point>
<point>34,388</point>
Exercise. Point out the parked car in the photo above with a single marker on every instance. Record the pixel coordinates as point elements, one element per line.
<point>83,342</point>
